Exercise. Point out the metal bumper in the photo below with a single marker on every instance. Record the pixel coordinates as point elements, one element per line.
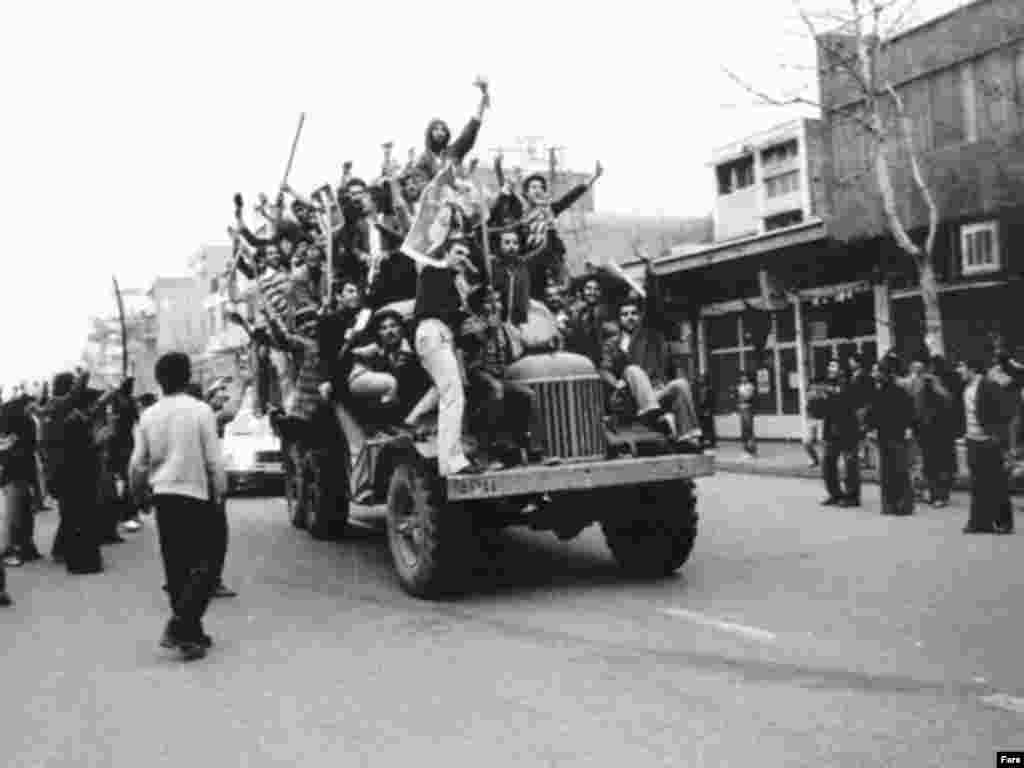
<point>581,476</point>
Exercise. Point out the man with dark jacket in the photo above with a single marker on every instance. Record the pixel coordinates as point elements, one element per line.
<point>17,474</point>
<point>438,150</point>
<point>636,360</point>
<point>836,405</point>
<point>891,415</point>
<point>987,439</point>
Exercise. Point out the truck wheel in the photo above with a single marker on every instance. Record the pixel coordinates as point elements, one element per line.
<point>428,538</point>
<point>656,537</point>
<point>326,500</point>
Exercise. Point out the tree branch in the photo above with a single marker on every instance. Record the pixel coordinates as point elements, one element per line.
<point>767,99</point>
<point>915,169</point>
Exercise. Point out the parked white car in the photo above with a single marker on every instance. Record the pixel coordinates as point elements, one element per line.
<point>252,452</point>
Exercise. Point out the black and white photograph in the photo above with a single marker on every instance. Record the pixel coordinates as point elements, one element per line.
<point>530,384</point>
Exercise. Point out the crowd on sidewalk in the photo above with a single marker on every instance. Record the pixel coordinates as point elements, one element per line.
<point>66,446</point>
<point>907,420</point>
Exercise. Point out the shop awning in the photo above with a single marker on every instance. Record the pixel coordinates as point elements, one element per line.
<point>801,234</point>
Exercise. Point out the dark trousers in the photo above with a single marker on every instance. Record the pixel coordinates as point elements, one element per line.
<point>508,407</point>
<point>848,454</point>
<point>894,476</point>
<point>747,429</point>
<point>707,428</point>
<point>990,492</point>
<point>188,545</point>
<point>220,550</point>
<point>81,530</point>
<point>938,450</point>
<point>21,518</point>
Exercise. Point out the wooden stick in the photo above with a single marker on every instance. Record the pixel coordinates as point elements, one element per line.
<point>295,144</point>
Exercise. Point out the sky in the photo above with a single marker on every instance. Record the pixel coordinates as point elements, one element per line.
<point>127,129</point>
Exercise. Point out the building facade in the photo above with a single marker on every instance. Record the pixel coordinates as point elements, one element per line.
<point>803,268</point>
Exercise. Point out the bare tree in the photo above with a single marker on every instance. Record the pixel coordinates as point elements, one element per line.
<point>858,53</point>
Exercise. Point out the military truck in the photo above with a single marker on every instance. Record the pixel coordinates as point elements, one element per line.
<point>624,476</point>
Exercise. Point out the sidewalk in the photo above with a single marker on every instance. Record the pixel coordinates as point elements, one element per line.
<point>784,458</point>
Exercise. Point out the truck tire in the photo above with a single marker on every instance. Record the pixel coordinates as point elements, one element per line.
<point>657,535</point>
<point>326,499</point>
<point>429,539</point>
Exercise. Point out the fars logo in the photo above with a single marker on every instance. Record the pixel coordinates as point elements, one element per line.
<point>1009,758</point>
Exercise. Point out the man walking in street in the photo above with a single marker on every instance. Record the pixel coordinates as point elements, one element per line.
<point>177,460</point>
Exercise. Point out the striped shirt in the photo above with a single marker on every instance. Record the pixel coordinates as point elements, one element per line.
<point>275,286</point>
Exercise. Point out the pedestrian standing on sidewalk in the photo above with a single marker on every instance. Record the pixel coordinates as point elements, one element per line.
<point>987,438</point>
<point>177,460</point>
<point>891,416</point>
<point>840,431</point>
<point>707,405</point>
<point>745,396</point>
<point>937,433</point>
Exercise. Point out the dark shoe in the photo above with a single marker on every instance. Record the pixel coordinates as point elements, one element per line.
<point>191,651</point>
<point>972,529</point>
<point>831,501</point>
<point>205,641</point>
<point>849,502</point>
<point>5,599</point>
<point>223,591</point>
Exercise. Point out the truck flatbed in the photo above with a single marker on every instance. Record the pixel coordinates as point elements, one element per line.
<point>579,476</point>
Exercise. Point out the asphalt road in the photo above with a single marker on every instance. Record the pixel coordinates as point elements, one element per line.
<point>795,636</point>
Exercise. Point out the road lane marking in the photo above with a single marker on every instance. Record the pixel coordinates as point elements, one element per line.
<point>1013,704</point>
<point>755,633</point>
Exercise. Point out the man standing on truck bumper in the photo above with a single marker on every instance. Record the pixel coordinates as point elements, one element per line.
<point>439,309</point>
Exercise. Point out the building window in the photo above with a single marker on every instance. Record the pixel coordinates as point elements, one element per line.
<point>778,154</point>
<point>969,101</point>
<point>785,184</point>
<point>979,248</point>
<point>781,220</point>
<point>736,175</point>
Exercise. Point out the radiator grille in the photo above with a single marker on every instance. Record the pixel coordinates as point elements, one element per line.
<point>571,416</point>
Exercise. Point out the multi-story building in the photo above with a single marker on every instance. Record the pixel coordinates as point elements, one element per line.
<point>961,79</point>
<point>803,267</point>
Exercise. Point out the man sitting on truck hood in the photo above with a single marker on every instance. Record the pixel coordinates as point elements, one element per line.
<point>636,359</point>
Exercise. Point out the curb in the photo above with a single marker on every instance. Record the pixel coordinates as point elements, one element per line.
<point>869,476</point>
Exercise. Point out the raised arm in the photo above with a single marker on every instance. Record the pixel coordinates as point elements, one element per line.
<point>466,140</point>
<point>567,200</point>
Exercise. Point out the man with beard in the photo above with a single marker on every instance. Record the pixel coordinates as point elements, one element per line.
<point>510,277</point>
<point>438,150</point>
<point>636,360</point>
<point>586,331</point>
